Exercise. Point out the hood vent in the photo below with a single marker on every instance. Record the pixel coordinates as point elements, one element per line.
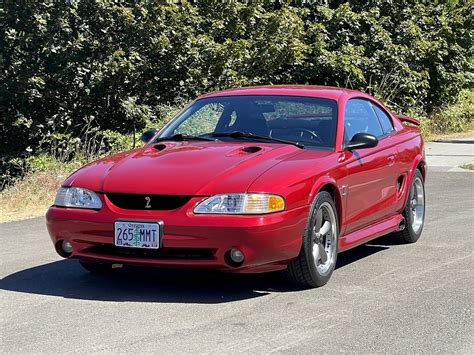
<point>159,147</point>
<point>251,149</point>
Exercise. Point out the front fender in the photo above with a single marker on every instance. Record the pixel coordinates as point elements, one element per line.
<point>329,184</point>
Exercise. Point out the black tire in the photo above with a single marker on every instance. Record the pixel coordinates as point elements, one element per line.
<point>409,234</point>
<point>303,270</point>
<point>95,267</point>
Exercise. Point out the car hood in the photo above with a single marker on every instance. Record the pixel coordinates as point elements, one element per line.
<point>183,168</point>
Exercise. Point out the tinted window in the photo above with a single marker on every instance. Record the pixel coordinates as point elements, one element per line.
<point>307,120</point>
<point>385,121</point>
<point>360,118</point>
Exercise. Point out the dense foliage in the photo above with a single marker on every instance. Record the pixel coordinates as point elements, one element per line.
<point>70,70</point>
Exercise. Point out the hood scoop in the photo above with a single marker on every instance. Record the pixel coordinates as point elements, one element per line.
<point>159,147</point>
<point>251,149</point>
<point>242,151</point>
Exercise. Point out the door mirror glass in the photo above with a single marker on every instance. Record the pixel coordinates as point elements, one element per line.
<point>361,141</point>
<point>148,134</point>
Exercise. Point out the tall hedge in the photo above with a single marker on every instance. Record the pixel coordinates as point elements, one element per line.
<point>75,67</point>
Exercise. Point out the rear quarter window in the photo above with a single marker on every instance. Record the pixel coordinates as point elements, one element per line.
<point>384,118</point>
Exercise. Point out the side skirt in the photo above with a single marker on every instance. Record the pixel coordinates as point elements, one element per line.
<point>373,231</point>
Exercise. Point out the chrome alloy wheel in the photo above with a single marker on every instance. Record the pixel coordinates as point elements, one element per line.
<point>417,205</point>
<point>324,237</point>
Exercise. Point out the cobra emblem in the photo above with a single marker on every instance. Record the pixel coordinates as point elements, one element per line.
<point>147,202</point>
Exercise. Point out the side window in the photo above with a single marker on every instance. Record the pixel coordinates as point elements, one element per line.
<point>359,117</point>
<point>385,120</point>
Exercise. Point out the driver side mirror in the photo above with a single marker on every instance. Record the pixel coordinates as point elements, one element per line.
<point>148,134</point>
<point>361,141</point>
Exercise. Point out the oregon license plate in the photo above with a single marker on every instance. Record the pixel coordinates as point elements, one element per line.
<point>137,234</point>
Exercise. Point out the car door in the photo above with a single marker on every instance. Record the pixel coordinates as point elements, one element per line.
<point>399,168</point>
<point>371,172</point>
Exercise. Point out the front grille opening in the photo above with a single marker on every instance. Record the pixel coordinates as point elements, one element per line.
<point>148,202</point>
<point>163,253</point>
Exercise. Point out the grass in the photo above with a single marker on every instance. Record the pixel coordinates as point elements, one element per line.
<point>468,166</point>
<point>34,193</point>
<point>29,197</point>
<point>432,137</point>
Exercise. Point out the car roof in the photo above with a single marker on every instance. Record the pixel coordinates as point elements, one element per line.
<point>328,92</point>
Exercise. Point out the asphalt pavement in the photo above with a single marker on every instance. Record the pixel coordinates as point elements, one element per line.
<point>383,296</point>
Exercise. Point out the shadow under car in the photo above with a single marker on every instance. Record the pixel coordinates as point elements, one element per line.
<point>65,278</point>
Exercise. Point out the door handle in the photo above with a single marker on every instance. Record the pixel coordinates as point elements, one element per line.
<point>391,160</point>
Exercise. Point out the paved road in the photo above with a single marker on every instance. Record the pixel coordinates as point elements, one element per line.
<point>382,297</point>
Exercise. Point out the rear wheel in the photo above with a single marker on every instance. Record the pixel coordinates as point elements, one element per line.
<point>414,211</point>
<point>95,267</point>
<point>318,255</point>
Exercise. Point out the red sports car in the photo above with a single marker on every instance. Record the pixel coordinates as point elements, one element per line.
<point>250,180</point>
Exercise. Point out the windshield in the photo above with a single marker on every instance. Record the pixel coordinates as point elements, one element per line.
<point>306,120</point>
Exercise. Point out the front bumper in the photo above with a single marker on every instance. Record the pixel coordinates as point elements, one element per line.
<point>268,242</point>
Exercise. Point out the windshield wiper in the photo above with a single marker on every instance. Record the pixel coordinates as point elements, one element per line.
<point>182,137</point>
<point>238,134</point>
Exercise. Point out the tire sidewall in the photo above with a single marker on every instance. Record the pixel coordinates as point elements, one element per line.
<point>408,216</point>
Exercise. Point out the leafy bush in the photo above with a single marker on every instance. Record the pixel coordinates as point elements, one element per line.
<point>71,72</point>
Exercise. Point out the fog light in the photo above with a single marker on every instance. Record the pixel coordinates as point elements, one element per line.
<point>236,256</point>
<point>66,246</point>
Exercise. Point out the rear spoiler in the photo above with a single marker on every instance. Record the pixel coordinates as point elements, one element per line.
<point>408,119</point>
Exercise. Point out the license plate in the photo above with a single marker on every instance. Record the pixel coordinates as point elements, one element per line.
<point>137,234</point>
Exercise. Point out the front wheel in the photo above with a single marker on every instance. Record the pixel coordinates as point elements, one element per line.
<point>318,255</point>
<point>414,211</point>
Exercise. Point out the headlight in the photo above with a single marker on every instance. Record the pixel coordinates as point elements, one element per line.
<point>77,197</point>
<point>241,204</point>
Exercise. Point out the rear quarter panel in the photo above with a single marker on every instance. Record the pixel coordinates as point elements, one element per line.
<point>410,154</point>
